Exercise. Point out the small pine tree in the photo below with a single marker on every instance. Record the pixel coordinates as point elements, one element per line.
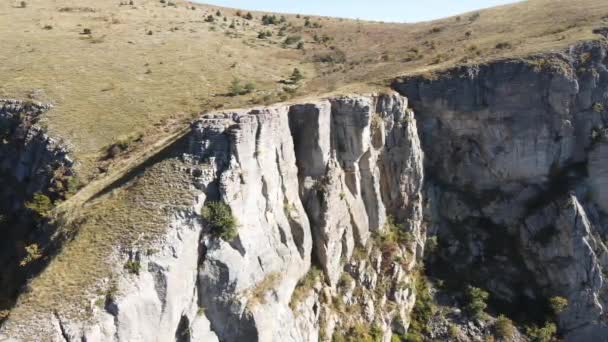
<point>236,88</point>
<point>248,16</point>
<point>296,76</point>
<point>476,301</point>
<point>41,204</point>
<point>220,219</point>
<point>218,13</point>
<point>23,4</point>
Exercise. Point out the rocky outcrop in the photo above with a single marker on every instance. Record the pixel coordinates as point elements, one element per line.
<point>309,184</point>
<point>514,173</point>
<point>30,162</point>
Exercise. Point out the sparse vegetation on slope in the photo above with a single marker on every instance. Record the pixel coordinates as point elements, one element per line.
<point>125,73</point>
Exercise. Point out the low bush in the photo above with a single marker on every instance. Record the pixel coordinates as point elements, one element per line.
<point>220,219</point>
<point>132,266</point>
<point>423,311</point>
<point>504,45</point>
<point>264,34</point>
<point>269,19</point>
<point>558,304</point>
<point>305,285</point>
<point>41,204</point>
<point>504,328</point>
<point>476,302</point>
<point>292,40</point>
<point>296,76</point>
<point>598,107</point>
<point>237,88</point>
<point>335,56</point>
<point>542,334</point>
<point>33,253</point>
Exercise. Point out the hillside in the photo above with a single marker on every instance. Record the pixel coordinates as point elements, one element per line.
<point>406,165</point>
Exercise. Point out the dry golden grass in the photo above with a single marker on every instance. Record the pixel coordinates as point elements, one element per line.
<point>119,79</point>
<point>130,217</point>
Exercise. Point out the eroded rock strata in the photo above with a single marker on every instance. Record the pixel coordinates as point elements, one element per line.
<point>515,180</point>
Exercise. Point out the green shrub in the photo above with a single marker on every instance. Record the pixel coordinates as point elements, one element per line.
<point>431,245</point>
<point>33,253</point>
<point>361,333</point>
<point>305,285</point>
<point>476,301</point>
<point>296,76</point>
<point>73,185</point>
<point>503,328</point>
<point>248,16</point>
<point>396,338</point>
<point>558,304</point>
<point>269,19</point>
<point>423,311</point>
<point>220,219</point>
<point>41,204</point>
<point>132,266</point>
<point>237,88</point>
<point>414,337</point>
<point>210,19</point>
<point>23,4</point>
<point>264,34</point>
<point>292,40</point>
<point>453,331</point>
<point>338,336</point>
<point>503,45</point>
<point>598,107</point>
<point>543,334</point>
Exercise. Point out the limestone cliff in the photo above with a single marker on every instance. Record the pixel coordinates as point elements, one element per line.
<point>505,163</point>
<point>515,180</point>
<point>309,184</point>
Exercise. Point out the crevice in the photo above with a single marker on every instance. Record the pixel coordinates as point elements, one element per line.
<point>183,334</point>
<point>64,333</point>
<point>160,283</point>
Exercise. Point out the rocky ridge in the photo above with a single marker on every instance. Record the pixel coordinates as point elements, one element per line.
<point>298,205</point>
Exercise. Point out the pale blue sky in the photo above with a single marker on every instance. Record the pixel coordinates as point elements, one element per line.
<point>383,10</point>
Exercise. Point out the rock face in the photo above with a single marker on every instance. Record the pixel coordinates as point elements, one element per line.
<point>515,167</point>
<point>30,162</point>
<point>309,184</point>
